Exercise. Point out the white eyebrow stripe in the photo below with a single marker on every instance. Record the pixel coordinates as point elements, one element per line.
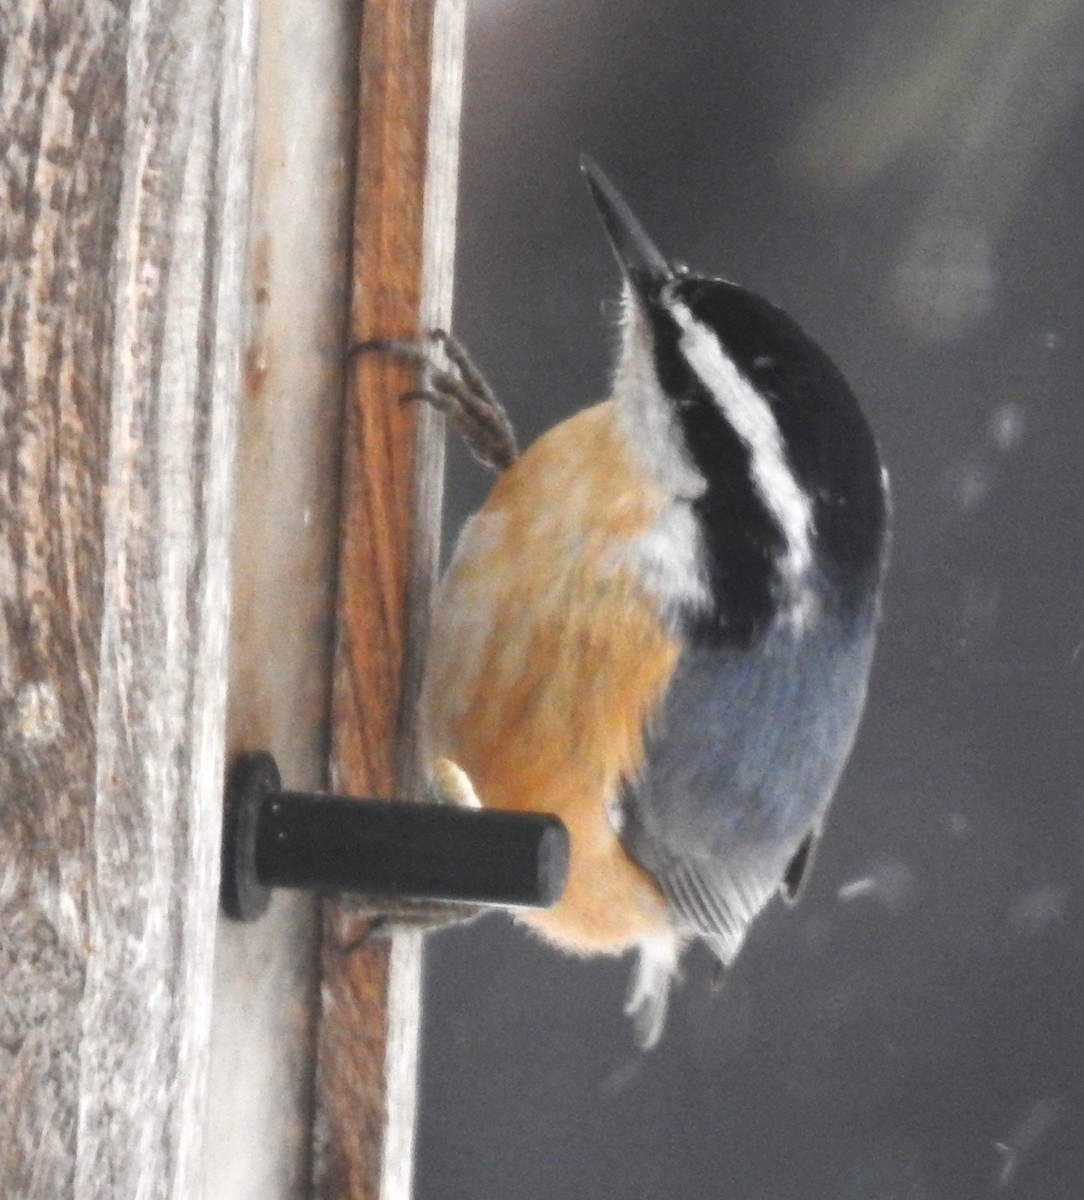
<point>754,422</point>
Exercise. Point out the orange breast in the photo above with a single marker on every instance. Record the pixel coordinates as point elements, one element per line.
<point>547,661</point>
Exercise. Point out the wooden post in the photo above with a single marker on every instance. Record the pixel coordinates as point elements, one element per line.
<point>410,86</point>
<point>123,224</point>
<point>124,152</point>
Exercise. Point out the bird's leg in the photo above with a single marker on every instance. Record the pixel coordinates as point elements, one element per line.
<point>450,784</point>
<point>386,917</point>
<point>461,393</point>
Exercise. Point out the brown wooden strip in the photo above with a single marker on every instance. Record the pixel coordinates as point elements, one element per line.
<point>410,73</point>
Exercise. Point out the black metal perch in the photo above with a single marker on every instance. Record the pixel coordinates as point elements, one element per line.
<point>383,849</point>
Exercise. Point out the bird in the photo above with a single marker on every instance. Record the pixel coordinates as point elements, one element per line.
<point>660,624</point>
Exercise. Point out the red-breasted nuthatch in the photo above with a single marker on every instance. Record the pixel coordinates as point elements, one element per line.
<point>660,624</point>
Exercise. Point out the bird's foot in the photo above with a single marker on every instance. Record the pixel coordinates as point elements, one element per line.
<point>460,391</point>
<point>450,784</point>
<point>386,917</point>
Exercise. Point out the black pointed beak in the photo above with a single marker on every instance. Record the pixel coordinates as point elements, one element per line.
<point>637,255</point>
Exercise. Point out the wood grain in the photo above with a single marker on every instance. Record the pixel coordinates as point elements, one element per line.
<point>123,165</point>
<point>284,548</point>
<point>410,84</point>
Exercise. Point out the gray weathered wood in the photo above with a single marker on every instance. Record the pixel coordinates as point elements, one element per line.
<point>285,538</point>
<point>261,1079</point>
<point>123,180</point>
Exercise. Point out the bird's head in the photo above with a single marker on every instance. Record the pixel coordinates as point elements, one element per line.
<point>737,413</point>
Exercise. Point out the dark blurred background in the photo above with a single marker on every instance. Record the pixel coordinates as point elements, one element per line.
<point>904,176</point>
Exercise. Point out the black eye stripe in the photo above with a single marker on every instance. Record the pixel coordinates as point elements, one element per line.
<point>826,442</point>
<point>741,539</point>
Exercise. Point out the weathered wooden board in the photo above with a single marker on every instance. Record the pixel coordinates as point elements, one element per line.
<point>124,150</point>
<point>123,224</point>
<point>285,543</point>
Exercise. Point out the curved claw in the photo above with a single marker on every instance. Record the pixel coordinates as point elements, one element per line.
<point>462,394</point>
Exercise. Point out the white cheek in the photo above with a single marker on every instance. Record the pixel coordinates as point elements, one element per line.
<point>666,559</point>
<point>647,416</point>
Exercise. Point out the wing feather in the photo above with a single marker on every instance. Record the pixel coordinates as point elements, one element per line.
<point>740,766</point>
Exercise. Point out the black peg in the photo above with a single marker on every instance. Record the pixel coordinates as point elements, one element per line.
<point>383,849</point>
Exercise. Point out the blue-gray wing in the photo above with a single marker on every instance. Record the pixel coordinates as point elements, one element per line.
<point>741,764</point>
